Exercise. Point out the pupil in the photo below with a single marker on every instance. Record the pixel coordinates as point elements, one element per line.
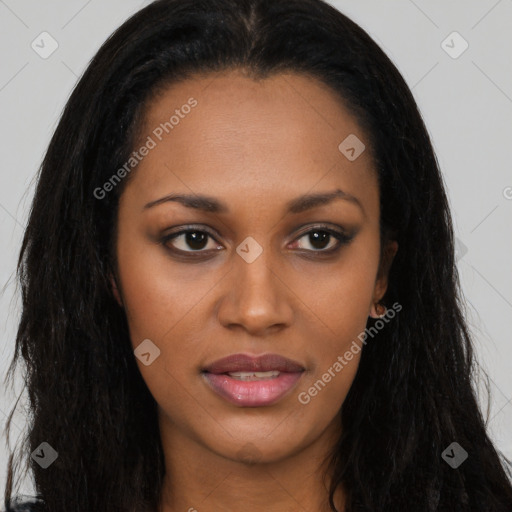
<point>321,237</point>
<point>196,240</point>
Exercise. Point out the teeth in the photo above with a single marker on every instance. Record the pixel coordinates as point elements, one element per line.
<point>254,375</point>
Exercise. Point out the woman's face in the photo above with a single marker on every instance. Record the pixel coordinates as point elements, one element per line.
<point>258,272</point>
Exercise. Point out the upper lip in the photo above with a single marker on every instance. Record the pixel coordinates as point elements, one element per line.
<point>246,362</point>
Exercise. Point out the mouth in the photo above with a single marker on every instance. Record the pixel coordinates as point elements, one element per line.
<point>252,381</point>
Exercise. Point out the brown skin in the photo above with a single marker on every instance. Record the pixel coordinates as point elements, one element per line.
<point>255,146</point>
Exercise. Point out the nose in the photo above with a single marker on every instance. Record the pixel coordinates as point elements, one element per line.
<point>257,298</point>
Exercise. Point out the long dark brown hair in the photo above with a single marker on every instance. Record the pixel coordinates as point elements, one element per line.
<point>413,394</point>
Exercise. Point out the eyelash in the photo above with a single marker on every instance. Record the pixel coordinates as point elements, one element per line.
<point>341,237</point>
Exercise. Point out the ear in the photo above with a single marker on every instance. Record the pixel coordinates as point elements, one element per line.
<point>381,284</point>
<point>115,289</point>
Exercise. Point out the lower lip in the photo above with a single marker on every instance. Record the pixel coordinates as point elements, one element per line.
<point>252,393</point>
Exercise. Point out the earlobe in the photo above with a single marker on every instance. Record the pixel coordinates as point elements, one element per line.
<point>377,310</point>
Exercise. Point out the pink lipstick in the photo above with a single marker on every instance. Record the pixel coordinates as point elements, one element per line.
<point>252,381</point>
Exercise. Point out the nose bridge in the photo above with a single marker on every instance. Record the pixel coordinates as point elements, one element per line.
<point>253,268</point>
<point>256,299</point>
<point>254,280</point>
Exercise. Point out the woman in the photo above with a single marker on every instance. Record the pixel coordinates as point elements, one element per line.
<point>239,288</point>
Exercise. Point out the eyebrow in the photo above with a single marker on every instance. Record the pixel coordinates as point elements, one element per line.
<point>297,205</point>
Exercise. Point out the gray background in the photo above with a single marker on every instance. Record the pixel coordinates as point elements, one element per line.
<point>466,103</point>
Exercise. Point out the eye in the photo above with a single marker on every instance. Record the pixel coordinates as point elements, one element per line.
<point>319,239</point>
<point>323,239</point>
<point>191,240</point>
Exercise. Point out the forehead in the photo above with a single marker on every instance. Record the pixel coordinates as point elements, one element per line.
<point>276,137</point>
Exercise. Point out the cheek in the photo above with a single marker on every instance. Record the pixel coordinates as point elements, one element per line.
<point>165,308</point>
<point>340,294</point>
<point>324,392</point>
<point>166,303</point>
<point>340,301</point>
<point>336,355</point>
<point>157,294</point>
